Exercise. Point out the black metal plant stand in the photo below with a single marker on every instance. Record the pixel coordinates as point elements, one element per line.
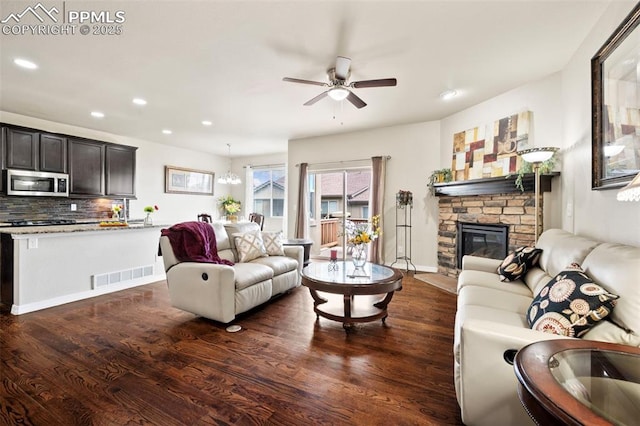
<point>404,206</point>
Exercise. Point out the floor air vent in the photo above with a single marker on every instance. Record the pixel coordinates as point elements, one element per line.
<point>121,277</point>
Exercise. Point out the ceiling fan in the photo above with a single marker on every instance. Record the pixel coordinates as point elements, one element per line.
<point>338,86</point>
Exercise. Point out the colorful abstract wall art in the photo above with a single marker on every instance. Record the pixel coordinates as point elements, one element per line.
<point>491,151</point>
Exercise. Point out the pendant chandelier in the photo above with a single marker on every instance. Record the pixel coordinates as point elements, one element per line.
<point>229,178</point>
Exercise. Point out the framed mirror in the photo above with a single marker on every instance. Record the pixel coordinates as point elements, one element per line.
<point>615,98</point>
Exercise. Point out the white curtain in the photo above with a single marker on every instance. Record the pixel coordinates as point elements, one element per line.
<point>248,191</point>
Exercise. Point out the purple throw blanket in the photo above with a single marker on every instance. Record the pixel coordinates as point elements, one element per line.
<point>194,242</point>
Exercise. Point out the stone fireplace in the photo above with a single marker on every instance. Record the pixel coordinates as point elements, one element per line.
<point>493,201</point>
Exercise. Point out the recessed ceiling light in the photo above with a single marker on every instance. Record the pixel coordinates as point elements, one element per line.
<point>139,101</point>
<point>97,114</point>
<point>206,123</point>
<point>167,131</point>
<point>448,94</point>
<point>25,64</point>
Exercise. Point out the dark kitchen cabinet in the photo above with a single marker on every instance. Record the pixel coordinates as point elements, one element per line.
<point>96,169</point>
<point>3,148</point>
<point>86,167</point>
<point>29,149</point>
<point>21,149</point>
<point>120,170</point>
<point>53,153</point>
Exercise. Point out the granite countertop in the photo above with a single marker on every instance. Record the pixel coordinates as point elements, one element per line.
<point>61,229</point>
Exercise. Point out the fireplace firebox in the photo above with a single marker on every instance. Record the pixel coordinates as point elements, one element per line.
<point>484,240</point>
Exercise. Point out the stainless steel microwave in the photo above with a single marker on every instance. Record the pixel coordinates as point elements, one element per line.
<point>40,184</point>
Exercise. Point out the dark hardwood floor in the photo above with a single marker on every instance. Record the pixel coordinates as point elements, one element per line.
<point>130,358</point>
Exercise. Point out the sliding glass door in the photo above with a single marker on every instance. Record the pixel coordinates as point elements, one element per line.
<point>337,198</point>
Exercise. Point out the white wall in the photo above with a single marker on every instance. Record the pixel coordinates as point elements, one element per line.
<point>151,160</point>
<point>597,214</point>
<point>543,99</point>
<point>561,105</point>
<point>414,151</point>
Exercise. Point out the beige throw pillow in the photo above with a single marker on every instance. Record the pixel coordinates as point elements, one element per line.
<point>273,243</point>
<point>249,246</point>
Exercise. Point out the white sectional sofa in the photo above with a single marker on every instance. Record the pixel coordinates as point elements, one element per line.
<point>220,292</point>
<point>491,322</point>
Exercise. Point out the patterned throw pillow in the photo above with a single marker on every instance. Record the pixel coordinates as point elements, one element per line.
<point>570,304</point>
<point>517,264</point>
<point>249,246</point>
<point>273,243</point>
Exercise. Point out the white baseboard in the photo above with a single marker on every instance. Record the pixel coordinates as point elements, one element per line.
<point>68,298</point>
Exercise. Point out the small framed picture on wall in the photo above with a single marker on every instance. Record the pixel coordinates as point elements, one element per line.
<point>179,180</point>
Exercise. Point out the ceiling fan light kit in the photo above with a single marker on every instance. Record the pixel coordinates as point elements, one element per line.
<point>338,93</point>
<point>338,86</point>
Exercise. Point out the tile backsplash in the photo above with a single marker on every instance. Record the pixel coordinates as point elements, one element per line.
<point>39,208</point>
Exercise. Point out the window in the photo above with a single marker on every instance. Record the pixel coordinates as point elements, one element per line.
<point>330,206</point>
<point>268,191</point>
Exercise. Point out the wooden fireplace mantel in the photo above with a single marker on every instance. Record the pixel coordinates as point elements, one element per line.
<point>495,185</point>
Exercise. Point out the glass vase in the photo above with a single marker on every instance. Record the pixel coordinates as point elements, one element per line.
<point>359,255</point>
<point>147,220</point>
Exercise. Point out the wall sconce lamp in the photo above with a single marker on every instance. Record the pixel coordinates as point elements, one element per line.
<point>537,156</point>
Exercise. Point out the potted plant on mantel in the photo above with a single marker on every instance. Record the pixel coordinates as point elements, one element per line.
<point>526,167</point>
<point>439,176</point>
<point>231,207</point>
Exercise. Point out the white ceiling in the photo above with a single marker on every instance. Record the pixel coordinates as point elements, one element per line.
<point>224,61</point>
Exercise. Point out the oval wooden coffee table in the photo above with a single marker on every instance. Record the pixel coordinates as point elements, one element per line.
<point>374,285</point>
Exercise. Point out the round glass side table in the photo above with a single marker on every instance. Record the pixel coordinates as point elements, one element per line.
<point>579,382</point>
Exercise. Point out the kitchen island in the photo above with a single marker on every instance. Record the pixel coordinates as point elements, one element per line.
<point>45,266</point>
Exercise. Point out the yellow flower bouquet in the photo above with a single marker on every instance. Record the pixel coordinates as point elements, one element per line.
<point>363,233</point>
<point>358,236</point>
<point>230,205</point>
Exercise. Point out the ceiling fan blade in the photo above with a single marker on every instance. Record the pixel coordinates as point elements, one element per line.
<point>297,80</point>
<point>375,83</point>
<point>342,67</point>
<point>356,101</point>
<point>316,99</point>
